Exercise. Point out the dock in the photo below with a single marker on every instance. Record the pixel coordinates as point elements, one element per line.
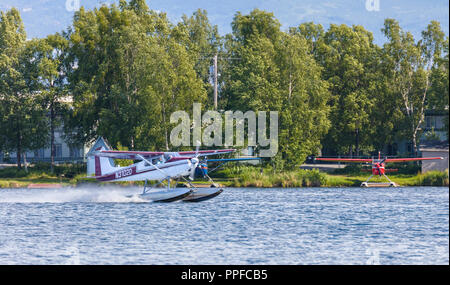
<point>44,186</point>
<point>380,184</point>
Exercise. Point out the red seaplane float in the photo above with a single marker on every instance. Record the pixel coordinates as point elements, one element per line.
<point>156,166</point>
<point>378,166</point>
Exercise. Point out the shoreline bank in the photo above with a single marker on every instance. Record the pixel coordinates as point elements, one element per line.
<point>264,181</point>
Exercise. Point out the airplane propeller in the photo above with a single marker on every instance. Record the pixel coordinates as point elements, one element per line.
<point>194,162</point>
<point>379,164</point>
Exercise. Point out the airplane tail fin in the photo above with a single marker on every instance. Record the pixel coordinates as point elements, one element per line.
<point>99,166</point>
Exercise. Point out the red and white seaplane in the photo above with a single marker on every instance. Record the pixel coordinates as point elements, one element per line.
<point>155,166</point>
<point>378,166</point>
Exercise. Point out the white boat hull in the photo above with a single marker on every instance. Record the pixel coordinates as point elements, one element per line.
<point>202,194</point>
<point>166,195</point>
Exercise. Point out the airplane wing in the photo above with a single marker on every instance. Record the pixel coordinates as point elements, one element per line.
<point>233,159</point>
<point>128,154</point>
<point>411,159</point>
<point>370,160</point>
<point>122,154</point>
<point>206,152</point>
<point>345,159</point>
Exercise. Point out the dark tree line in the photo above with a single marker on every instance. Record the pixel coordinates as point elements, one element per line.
<point>120,71</point>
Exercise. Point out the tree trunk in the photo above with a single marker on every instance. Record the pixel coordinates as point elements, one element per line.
<point>19,145</point>
<point>165,126</point>
<point>52,138</point>
<point>25,161</point>
<point>290,86</point>
<point>414,144</point>
<point>19,151</point>
<point>357,143</point>
<point>165,133</point>
<point>421,118</point>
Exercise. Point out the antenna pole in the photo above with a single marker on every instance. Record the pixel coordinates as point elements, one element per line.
<point>215,81</point>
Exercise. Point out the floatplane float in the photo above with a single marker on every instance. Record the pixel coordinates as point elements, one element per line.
<point>378,167</point>
<point>161,167</point>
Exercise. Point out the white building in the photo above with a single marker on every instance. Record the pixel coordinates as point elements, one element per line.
<point>64,152</point>
<point>435,150</point>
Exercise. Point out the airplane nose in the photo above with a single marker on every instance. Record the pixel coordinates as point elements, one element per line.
<point>194,160</point>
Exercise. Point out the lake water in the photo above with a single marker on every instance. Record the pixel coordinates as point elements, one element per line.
<point>241,226</point>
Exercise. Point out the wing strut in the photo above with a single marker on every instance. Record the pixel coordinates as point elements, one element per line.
<point>163,172</point>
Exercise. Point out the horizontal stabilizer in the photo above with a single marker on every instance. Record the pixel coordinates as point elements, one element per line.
<point>345,159</point>
<point>120,154</point>
<point>233,159</point>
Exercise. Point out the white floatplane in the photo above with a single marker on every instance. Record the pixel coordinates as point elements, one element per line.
<point>155,166</point>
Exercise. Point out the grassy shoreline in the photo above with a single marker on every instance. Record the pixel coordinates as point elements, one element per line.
<point>350,180</point>
<point>251,177</point>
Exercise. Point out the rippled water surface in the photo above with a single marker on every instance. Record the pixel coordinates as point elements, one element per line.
<point>241,226</point>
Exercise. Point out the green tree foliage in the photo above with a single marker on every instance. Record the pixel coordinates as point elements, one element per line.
<point>128,75</point>
<point>126,69</point>
<point>22,114</point>
<point>439,94</point>
<point>313,33</point>
<point>410,68</point>
<point>349,60</point>
<point>304,114</point>
<point>276,72</point>
<point>51,54</point>
<point>202,41</point>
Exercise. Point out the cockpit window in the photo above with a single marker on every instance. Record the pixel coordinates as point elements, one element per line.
<point>158,160</point>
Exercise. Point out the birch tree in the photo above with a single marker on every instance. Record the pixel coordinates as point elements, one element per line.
<point>411,64</point>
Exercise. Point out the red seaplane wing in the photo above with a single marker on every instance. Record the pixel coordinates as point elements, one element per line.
<point>370,160</point>
<point>122,154</point>
<point>344,159</point>
<point>411,159</point>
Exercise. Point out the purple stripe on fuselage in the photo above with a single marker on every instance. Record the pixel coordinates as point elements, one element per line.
<point>112,176</point>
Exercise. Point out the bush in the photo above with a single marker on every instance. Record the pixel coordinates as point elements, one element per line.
<point>42,166</point>
<point>247,176</point>
<point>12,172</point>
<point>8,172</point>
<point>70,170</point>
<point>81,178</point>
<point>434,178</point>
<point>406,168</point>
<point>315,178</point>
<point>350,169</point>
